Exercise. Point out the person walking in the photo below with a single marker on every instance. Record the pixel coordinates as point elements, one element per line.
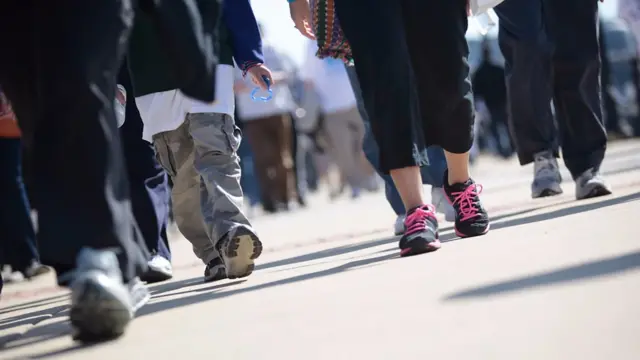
<point>149,186</point>
<point>343,124</point>
<point>269,132</point>
<point>18,247</point>
<point>426,100</point>
<point>62,86</point>
<point>551,53</point>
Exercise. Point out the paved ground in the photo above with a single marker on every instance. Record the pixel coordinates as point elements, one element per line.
<point>554,279</point>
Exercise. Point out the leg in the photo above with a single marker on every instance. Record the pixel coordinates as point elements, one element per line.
<point>149,188</point>
<point>341,133</point>
<point>16,229</point>
<point>259,136</point>
<point>378,42</point>
<point>576,66</point>
<point>216,140</point>
<point>525,47</point>
<point>527,52</point>
<point>446,103</point>
<point>283,165</point>
<point>76,148</point>
<point>176,154</point>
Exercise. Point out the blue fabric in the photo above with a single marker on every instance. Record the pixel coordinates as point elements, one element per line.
<point>17,235</point>
<point>243,28</point>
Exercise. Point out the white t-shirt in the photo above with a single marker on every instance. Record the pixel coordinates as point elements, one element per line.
<point>282,101</point>
<point>166,111</point>
<point>330,80</point>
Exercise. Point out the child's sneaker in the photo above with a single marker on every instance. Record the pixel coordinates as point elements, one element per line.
<point>471,218</point>
<point>421,232</point>
<point>239,248</point>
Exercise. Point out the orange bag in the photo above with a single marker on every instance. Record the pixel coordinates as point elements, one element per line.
<point>8,125</point>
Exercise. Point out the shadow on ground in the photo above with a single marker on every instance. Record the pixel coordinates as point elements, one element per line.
<point>588,270</point>
<point>213,292</point>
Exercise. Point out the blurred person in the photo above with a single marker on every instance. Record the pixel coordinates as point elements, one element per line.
<point>18,248</point>
<point>86,230</point>
<point>551,53</point>
<point>197,144</point>
<point>414,97</point>
<point>432,174</point>
<point>489,86</point>
<point>267,125</point>
<point>342,123</point>
<point>149,186</point>
<point>65,109</point>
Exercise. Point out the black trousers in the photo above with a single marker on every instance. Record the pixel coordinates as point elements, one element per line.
<point>58,67</point>
<point>411,62</point>
<point>551,52</point>
<point>148,182</point>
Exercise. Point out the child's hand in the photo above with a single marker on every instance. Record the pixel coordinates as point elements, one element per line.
<point>258,74</point>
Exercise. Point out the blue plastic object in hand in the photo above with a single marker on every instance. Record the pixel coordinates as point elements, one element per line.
<point>263,98</point>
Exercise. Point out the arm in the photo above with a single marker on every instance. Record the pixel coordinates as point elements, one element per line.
<point>245,35</point>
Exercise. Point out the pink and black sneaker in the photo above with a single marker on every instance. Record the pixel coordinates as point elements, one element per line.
<point>421,234</point>
<point>471,217</point>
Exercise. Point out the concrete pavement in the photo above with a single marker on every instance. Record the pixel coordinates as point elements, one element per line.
<point>553,279</point>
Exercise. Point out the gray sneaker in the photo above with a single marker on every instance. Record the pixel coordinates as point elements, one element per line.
<point>101,304</point>
<point>546,178</point>
<point>591,184</point>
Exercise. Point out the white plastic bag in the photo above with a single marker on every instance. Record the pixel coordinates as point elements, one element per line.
<point>481,6</point>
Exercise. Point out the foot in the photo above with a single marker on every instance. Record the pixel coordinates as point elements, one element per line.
<point>214,271</point>
<point>421,235</point>
<point>398,227</point>
<point>160,269</point>
<point>442,205</point>
<point>471,217</point>
<point>239,248</point>
<point>546,178</point>
<point>101,304</point>
<point>591,184</point>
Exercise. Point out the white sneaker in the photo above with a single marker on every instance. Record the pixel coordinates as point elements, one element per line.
<point>398,228</point>
<point>442,205</point>
<point>160,269</point>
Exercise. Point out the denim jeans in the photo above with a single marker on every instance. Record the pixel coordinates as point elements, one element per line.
<point>17,235</point>
<point>432,174</point>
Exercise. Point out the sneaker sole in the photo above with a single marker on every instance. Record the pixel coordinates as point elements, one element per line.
<point>463,235</point>
<point>546,193</point>
<point>99,314</point>
<point>154,276</point>
<point>417,247</point>
<point>599,190</point>
<point>239,254</point>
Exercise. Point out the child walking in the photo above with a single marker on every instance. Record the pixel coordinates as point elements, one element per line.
<point>197,144</point>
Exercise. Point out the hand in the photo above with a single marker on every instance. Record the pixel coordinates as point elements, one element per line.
<point>301,16</point>
<point>258,74</point>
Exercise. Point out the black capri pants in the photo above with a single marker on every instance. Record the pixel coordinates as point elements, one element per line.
<point>411,61</point>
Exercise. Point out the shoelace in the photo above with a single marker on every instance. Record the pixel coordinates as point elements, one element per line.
<point>417,220</point>
<point>465,201</point>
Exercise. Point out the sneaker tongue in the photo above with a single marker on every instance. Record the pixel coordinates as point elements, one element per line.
<point>461,186</point>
